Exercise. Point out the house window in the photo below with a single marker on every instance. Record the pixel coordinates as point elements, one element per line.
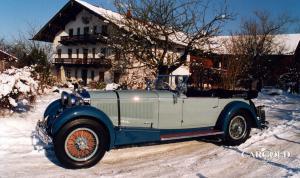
<point>78,31</point>
<point>117,76</point>
<point>68,73</point>
<point>59,53</point>
<point>71,32</point>
<point>76,73</point>
<point>104,30</point>
<point>77,53</point>
<point>95,30</point>
<point>92,75</point>
<point>69,53</point>
<point>85,53</point>
<point>86,30</point>
<point>104,51</point>
<point>101,76</point>
<point>94,52</point>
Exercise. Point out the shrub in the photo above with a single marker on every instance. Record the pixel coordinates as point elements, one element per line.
<point>17,84</point>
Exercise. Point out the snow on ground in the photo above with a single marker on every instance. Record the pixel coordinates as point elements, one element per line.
<point>195,158</point>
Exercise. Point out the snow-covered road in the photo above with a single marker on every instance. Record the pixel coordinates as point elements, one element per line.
<point>195,158</point>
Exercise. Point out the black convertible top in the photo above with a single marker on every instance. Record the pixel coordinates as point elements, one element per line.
<point>222,93</point>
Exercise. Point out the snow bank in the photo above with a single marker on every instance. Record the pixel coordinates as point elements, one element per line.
<point>194,158</point>
<point>15,83</point>
<point>111,86</point>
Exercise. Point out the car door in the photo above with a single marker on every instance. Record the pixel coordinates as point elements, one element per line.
<point>138,108</point>
<point>199,112</point>
<point>170,110</point>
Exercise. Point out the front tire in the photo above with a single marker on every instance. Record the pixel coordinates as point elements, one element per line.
<point>238,129</point>
<point>80,143</point>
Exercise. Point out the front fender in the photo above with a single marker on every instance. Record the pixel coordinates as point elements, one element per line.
<point>230,109</point>
<point>52,108</point>
<point>84,111</point>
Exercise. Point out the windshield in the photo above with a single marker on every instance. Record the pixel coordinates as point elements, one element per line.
<point>171,82</point>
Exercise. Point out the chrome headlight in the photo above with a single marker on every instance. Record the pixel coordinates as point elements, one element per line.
<point>64,98</point>
<point>73,100</point>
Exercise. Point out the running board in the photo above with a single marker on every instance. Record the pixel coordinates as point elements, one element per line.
<point>190,135</point>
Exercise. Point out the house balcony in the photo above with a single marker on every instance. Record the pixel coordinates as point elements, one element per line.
<point>83,39</point>
<point>88,62</point>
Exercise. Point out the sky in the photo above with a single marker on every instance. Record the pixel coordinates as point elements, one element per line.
<point>17,15</point>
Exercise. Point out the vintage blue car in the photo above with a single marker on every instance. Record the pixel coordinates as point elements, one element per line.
<point>84,125</point>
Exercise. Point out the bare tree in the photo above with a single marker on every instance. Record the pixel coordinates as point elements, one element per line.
<point>23,44</point>
<point>36,53</point>
<point>252,44</point>
<point>160,34</point>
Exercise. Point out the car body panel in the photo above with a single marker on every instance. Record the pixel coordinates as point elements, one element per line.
<point>70,114</point>
<point>132,135</point>
<point>52,108</point>
<point>107,102</point>
<point>139,108</point>
<point>230,108</point>
<point>148,116</point>
<point>200,114</point>
<point>170,110</point>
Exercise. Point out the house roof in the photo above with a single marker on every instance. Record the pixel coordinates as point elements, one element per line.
<point>283,44</point>
<point>60,19</point>
<point>73,7</point>
<point>9,55</point>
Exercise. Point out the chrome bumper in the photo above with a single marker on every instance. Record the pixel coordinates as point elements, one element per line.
<point>41,133</point>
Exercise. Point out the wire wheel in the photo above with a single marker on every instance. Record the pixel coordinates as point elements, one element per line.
<point>81,144</point>
<point>237,127</point>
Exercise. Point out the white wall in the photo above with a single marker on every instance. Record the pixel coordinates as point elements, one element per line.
<point>78,23</point>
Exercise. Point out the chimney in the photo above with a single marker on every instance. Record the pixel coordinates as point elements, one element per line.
<point>128,14</point>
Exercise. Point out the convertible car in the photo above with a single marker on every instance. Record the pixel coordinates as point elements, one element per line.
<point>83,125</point>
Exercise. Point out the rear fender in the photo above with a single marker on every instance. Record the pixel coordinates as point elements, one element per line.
<point>73,113</point>
<point>230,109</point>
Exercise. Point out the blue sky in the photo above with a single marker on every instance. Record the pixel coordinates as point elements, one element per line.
<point>15,15</point>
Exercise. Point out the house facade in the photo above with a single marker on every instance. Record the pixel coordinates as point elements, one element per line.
<point>79,34</point>
<point>82,51</point>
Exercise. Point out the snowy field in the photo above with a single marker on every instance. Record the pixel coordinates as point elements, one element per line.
<point>279,145</point>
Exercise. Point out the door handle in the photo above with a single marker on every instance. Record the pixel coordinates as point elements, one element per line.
<point>215,106</point>
<point>149,123</point>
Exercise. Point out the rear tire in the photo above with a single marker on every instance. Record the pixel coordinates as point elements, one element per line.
<point>238,129</point>
<point>80,143</point>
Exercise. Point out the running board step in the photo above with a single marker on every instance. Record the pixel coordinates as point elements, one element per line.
<point>190,134</point>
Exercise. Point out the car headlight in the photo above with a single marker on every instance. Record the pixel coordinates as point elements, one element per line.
<point>64,98</point>
<point>73,100</point>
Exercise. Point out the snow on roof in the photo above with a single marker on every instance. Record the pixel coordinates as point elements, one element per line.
<point>116,18</point>
<point>284,44</point>
<point>288,41</point>
<point>108,14</point>
<point>15,58</point>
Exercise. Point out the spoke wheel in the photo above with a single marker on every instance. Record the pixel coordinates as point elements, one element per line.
<point>237,127</point>
<point>81,144</point>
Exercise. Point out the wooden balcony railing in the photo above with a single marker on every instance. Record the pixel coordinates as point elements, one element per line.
<point>80,61</point>
<point>81,39</point>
